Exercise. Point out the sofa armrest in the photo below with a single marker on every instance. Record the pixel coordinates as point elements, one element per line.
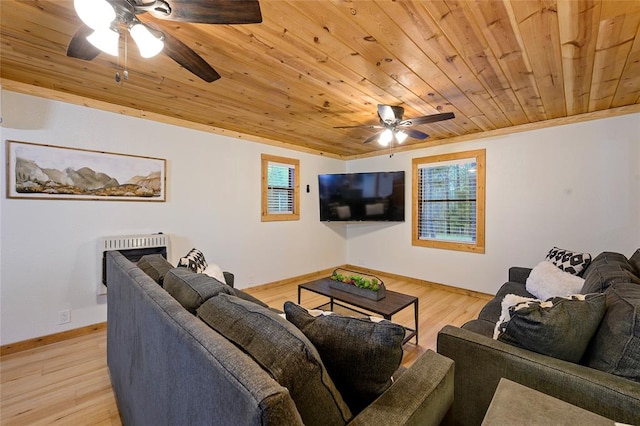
<point>229,278</point>
<point>481,361</point>
<point>519,274</point>
<point>422,395</point>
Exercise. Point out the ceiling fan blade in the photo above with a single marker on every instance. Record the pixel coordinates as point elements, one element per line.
<point>428,119</point>
<point>213,11</point>
<point>363,126</point>
<point>79,47</point>
<point>416,134</point>
<point>371,138</point>
<point>185,56</point>
<point>390,114</point>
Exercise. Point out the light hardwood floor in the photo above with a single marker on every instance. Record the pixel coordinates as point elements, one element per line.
<point>68,382</point>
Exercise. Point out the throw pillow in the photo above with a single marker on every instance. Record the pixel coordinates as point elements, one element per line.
<point>558,327</point>
<point>194,260</point>
<point>606,269</point>
<point>635,261</point>
<point>569,261</point>
<point>361,354</point>
<point>191,289</point>
<point>215,271</point>
<point>154,265</point>
<point>546,280</point>
<point>615,348</point>
<point>284,352</point>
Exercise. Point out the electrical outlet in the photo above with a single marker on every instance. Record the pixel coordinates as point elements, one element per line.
<point>64,316</point>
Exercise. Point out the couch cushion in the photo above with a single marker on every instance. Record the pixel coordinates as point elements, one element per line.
<point>606,269</point>
<point>615,348</point>
<point>191,289</point>
<point>546,281</point>
<point>569,261</point>
<point>558,327</point>
<point>246,296</point>
<point>193,260</point>
<point>283,351</point>
<point>360,354</point>
<point>154,265</point>
<point>634,260</point>
<point>480,326</point>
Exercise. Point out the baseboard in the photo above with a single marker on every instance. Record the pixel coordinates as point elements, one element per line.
<point>293,280</point>
<point>51,338</point>
<point>444,287</point>
<point>327,272</point>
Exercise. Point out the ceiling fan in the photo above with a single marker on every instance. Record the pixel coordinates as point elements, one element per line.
<point>397,128</point>
<point>103,19</point>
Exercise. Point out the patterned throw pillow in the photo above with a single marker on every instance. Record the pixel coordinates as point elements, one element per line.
<point>558,327</point>
<point>194,260</point>
<point>568,261</point>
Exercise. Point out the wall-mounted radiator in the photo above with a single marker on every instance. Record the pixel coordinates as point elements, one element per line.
<point>133,247</point>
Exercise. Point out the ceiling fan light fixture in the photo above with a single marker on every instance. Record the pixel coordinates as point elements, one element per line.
<point>96,14</point>
<point>106,40</point>
<point>148,43</point>
<point>385,137</point>
<point>401,136</point>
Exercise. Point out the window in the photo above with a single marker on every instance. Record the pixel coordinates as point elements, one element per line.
<point>448,201</point>
<point>280,188</point>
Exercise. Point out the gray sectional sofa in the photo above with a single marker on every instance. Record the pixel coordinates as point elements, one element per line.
<point>170,367</point>
<point>606,380</point>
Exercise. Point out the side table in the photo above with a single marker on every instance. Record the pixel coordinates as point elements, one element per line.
<point>514,403</point>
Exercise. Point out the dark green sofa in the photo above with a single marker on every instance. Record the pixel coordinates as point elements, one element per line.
<point>168,367</point>
<point>481,361</point>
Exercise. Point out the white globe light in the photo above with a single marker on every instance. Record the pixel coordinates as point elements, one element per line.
<point>96,14</point>
<point>385,137</point>
<point>148,44</point>
<point>105,40</point>
<point>401,136</point>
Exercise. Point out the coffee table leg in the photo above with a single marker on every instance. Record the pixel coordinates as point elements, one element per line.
<point>415,314</point>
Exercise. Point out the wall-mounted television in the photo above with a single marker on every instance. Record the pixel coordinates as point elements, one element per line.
<point>356,197</point>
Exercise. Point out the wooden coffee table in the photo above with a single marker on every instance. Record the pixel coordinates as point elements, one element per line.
<point>393,303</point>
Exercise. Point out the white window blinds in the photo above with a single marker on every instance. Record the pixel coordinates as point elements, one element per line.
<point>280,188</point>
<point>447,201</point>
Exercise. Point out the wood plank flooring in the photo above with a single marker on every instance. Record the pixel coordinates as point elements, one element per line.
<point>67,383</point>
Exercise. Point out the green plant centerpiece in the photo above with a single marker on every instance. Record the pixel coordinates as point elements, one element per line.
<point>357,283</point>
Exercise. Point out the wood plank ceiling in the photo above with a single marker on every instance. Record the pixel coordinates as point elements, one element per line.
<point>313,65</point>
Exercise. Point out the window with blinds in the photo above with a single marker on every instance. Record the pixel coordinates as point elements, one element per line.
<point>279,188</point>
<point>449,201</point>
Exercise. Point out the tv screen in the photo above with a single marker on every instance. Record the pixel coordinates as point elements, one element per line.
<point>353,197</point>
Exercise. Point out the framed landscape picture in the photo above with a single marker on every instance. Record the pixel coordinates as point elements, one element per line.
<point>38,171</point>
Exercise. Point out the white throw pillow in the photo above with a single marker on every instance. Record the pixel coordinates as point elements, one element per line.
<point>546,281</point>
<point>214,271</point>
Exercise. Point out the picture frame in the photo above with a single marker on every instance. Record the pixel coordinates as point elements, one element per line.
<point>40,171</point>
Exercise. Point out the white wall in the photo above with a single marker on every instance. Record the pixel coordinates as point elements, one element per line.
<point>575,186</point>
<point>49,247</point>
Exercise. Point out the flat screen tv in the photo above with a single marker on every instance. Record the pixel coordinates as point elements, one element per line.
<point>355,197</point>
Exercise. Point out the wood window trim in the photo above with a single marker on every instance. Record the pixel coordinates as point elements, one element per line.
<point>270,217</point>
<point>479,245</point>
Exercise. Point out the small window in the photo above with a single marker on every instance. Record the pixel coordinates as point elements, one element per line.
<point>448,201</point>
<point>280,188</point>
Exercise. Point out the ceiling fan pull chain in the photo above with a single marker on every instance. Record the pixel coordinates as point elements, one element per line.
<point>125,73</point>
<point>117,77</point>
